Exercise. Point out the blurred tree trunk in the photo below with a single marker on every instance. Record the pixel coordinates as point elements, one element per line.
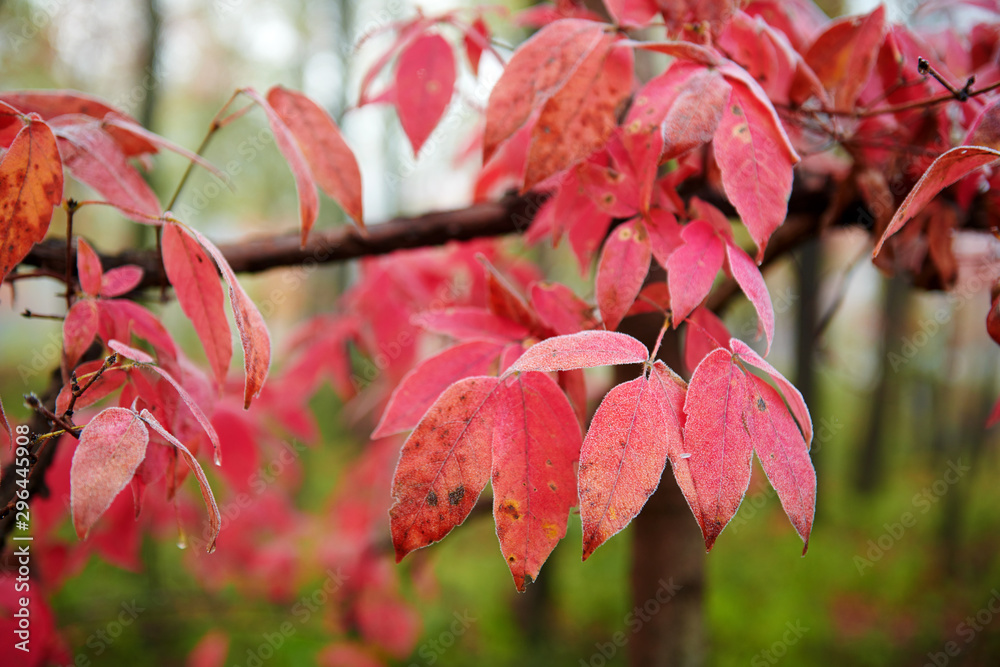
<point>870,464</point>
<point>810,258</point>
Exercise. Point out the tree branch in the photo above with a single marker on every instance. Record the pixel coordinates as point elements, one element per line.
<point>509,215</point>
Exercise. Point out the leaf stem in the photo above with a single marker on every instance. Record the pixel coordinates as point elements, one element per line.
<point>50,416</point>
<point>110,361</point>
<point>659,339</point>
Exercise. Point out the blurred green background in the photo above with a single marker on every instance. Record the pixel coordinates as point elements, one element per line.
<point>891,430</point>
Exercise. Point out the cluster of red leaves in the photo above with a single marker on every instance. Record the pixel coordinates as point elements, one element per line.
<point>750,88</point>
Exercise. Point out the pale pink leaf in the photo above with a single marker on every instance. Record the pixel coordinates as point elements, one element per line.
<point>585,349</point>
<point>214,517</point>
<point>120,280</point>
<point>111,447</point>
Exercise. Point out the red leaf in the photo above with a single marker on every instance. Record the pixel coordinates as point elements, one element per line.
<point>793,396</point>
<point>289,147</point>
<point>475,40</point>
<point>632,13</point>
<point>751,281</point>
<point>504,300</point>
<point>88,268</point>
<point>621,271</point>
<point>664,235</point>
<point>31,185</point>
<point>253,331</point>
<point>717,437</point>
<point>784,456</point>
<point>242,459</point>
<point>425,81</point>
<point>214,517</point>
<point>536,71</point>
<point>755,159</point>
<point>120,280</point>
<point>580,117</point>
<point>110,380</point>
<point>704,332</point>
<point>624,455</point>
<point>387,621</point>
<point>944,171</point>
<point>79,330</point>
<point>469,322</point>
<point>444,465</point>
<point>421,386</point>
<point>681,50</point>
<point>535,443</point>
<point>119,317</point>
<point>94,158</point>
<point>687,101</point>
<point>196,285</point>
<point>692,268</point>
<point>560,309</point>
<point>585,349</point>
<point>130,352</point>
<point>331,160</point>
<point>844,54</point>
<point>210,651</point>
<point>112,445</point>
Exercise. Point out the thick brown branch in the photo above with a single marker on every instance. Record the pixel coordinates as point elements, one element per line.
<point>512,214</point>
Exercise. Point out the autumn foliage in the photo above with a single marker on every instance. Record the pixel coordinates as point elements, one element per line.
<point>668,190</point>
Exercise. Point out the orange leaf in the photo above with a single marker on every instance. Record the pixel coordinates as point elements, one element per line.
<point>31,185</point>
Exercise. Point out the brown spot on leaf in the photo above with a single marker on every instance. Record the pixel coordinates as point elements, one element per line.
<point>455,497</point>
<point>510,507</point>
<point>432,499</point>
<point>760,404</point>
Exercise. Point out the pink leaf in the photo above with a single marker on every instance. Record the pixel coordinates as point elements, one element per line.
<point>120,280</point>
<point>196,284</point>
<point>289,147</point>
<point>214,517</point>
<point>784,456</point>
<point>444,465</point>
<point>585,349</point>
<point>561,309</point>
<point>331,160</point>
<point>751,281</point>
<point>691,269</point>
<point>94,158</point>
<point>476,38</point>
<point>467,322</point>
<point>88,268</point>
<point>621,271</point>
<point>79,330</point>
<point>425,81</point>
<point>112,445</point>
<point>421,386</point>
<point>717,438</point>
<point>253,331</point>
<point>536,440</point>
<point>623,457</point>
<point>130,352</point>
<point>944,171</point>
<point>704,332</point>
<point>755,159</point>
<point>793,396</point>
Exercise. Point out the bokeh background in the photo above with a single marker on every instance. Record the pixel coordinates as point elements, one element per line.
<point>899,383</point>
